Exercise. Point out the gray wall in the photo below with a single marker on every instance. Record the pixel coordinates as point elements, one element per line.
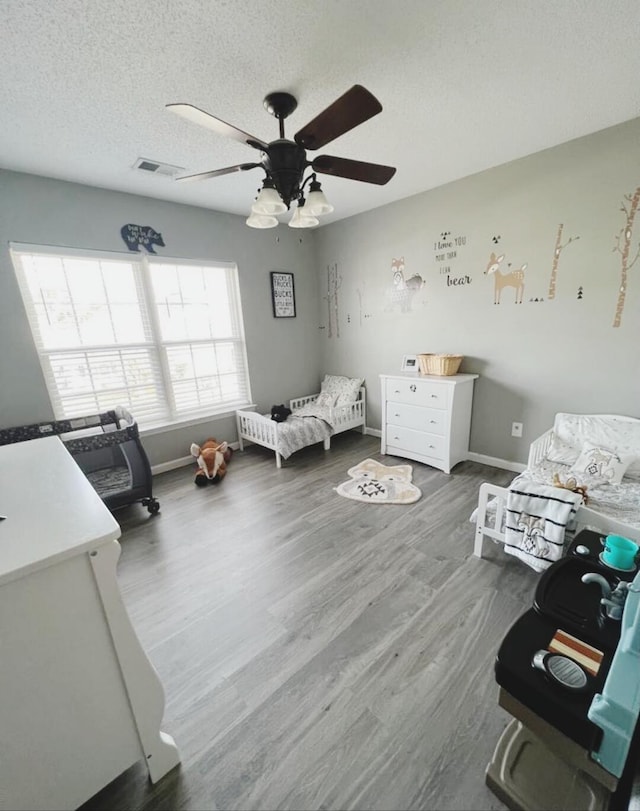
<point>534,358</point>
<point>283,353</point>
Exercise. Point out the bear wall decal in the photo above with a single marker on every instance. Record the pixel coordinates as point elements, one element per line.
<point>145,235</point>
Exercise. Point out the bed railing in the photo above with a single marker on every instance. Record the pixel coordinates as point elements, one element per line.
<point>262,430</point>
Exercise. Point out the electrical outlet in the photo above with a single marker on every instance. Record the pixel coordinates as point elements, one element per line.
<point>516,429</point>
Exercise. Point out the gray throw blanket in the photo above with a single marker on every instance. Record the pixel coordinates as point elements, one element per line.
<point>298,432</point>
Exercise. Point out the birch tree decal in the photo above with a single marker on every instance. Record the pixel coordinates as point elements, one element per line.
<point>334,282</point>
<point>556,259</point>
<point>360,294</point>
<point>623,247</point>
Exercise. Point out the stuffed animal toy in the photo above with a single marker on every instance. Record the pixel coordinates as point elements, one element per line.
<point>279,413</point>
<point>212,464</point>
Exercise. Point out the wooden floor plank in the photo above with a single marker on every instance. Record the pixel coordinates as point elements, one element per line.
<point>317,652</point>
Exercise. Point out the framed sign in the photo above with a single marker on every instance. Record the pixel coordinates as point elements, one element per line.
<point>409,363</point>
<point>283,294</point>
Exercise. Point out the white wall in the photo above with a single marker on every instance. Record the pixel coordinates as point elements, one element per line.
<point>283,353</point>
<point>534,358</point>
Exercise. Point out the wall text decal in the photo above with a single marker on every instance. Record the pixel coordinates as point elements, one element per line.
<point>446,252</point>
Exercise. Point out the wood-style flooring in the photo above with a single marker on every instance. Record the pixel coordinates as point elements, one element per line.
<point>317,652</point>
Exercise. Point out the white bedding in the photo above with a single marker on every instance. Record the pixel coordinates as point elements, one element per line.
<point>618,501</point>
<point>307,425</point>
<point>314,410</point>
<point>621,502</point>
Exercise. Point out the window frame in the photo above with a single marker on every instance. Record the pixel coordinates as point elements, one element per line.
<point>142,269</point>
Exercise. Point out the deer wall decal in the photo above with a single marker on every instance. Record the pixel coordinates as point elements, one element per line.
<point>501,280</point>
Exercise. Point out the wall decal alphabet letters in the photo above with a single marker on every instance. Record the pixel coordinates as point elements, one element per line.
<point>447,249</point>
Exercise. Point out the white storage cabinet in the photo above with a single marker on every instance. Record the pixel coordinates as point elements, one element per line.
<point>427,418</point>
<point>80,701</point>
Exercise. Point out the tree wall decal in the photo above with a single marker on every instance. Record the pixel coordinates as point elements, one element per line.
<point>556,259</point>
<point>334,282</point>
<point>623,247</point>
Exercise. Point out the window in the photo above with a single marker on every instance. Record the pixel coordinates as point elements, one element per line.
<point>164,338</point>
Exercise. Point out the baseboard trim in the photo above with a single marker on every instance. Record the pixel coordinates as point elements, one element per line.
<point>173,464</point>
<point>494,461</point>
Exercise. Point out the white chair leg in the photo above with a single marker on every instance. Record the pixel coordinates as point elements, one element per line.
<point>239,430</point>
<point>483,498</point>
<point>477,544</point>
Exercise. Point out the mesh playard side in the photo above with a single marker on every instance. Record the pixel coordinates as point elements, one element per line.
<point>108,450</point>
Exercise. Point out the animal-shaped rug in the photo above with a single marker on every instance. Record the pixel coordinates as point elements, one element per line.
<point>374,483</point>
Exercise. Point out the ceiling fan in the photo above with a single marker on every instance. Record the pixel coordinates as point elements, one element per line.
<point>285,161</point>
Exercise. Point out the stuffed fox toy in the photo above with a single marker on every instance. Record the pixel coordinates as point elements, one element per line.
<point>212,466</point>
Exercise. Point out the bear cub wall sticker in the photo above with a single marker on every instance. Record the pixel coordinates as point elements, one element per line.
<point>145,235</point>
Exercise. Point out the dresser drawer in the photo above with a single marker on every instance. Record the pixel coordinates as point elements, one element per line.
<point>433,420</point>
<point>407,439</point>
<point>414,391</point>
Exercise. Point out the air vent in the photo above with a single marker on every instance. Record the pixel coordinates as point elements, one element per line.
<point>157,168</point>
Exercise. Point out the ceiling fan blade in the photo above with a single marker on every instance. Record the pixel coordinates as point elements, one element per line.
<point>354,107</point>
<point>240,167</point>
<point>198,116</point>
<point>354,170</point>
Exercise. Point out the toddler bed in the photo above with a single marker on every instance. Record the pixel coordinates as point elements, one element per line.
<point>314,418</point>
<point>614,503</point>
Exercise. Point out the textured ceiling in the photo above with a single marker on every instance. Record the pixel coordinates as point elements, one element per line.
<point>465,85</point>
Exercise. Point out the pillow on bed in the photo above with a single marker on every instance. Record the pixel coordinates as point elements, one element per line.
<point>597,465</point>
<point>345,389</point>
<point>560,451</point>
<point>326,399</point>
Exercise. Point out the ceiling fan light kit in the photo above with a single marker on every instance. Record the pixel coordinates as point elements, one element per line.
<point>268,200</point>
<point>285,162</point>
<point>302,218</point>
<point>317,203</point>
<point>261,221</point>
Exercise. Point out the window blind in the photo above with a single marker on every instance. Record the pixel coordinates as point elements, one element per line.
<point>163,338</point>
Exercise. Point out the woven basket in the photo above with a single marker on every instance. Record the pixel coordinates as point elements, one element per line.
<point>432,364</point>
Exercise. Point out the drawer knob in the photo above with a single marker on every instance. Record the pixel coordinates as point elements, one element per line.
<point>396,437</point>
<point>432,446</point>
<point>396,415</point>
<point>434,396</point>
<point>413,387</point>
<point>433,422</point>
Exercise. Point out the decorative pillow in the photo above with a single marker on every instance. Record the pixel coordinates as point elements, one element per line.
<point>326,399</point>
<point>597,465</point>
<point>345,388</point>
<point>560,451</point>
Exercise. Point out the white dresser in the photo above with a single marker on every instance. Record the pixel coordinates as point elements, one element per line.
<point>427,418</point>
<point>80,701</point>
